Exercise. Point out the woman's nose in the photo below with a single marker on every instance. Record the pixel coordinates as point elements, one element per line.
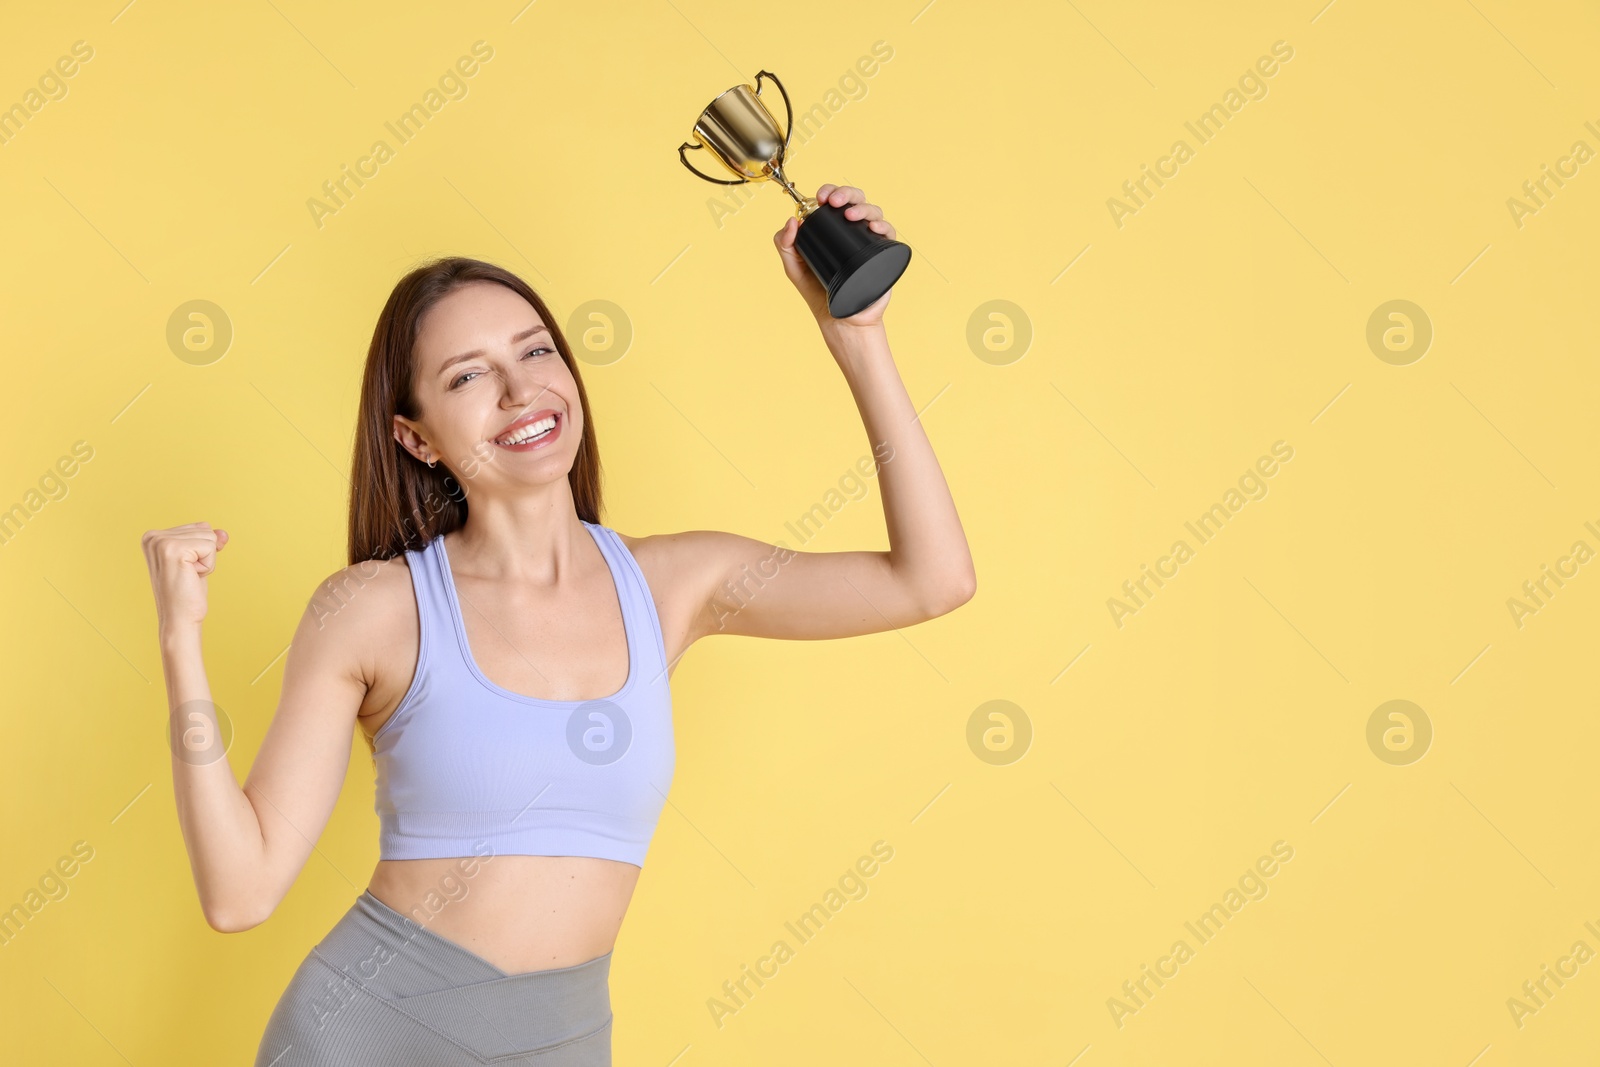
<point>525,390</point>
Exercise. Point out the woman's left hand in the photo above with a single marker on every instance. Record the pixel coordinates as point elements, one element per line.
<point>794,266</point>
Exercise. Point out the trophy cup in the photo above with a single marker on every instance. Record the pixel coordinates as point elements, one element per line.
<point>854,264</point>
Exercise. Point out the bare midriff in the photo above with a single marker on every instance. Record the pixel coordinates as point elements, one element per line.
<point>521,913</point>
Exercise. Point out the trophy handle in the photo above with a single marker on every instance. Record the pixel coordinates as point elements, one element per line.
<point>788,122</point>
<point>685,146</point>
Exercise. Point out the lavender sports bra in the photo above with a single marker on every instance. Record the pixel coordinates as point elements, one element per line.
<point>465,767</point>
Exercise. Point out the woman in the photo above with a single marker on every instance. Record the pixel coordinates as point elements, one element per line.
<point>506,656</point>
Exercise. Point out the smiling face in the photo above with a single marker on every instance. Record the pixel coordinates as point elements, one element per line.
<point>499,404</point>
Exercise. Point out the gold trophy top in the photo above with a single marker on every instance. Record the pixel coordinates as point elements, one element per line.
<point>742,135</point>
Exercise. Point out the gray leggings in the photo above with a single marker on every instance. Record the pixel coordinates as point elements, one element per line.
<point>380,989</point>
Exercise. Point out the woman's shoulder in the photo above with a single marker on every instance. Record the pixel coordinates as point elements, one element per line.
<point>367,600</point>
<point>663,558</point>
<point>692,560</point>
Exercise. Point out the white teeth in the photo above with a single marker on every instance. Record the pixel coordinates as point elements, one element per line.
<point>528,432</point>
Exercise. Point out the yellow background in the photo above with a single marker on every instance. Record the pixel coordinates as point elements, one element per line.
<point>1229,313</point>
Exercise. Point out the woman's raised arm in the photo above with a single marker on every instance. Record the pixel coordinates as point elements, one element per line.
<point>247,845</point>
<point>757,589</point>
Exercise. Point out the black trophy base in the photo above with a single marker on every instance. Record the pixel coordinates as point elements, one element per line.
<point>854,264</point>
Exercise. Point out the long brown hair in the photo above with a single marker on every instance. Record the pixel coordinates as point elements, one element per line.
<point>398,502</point>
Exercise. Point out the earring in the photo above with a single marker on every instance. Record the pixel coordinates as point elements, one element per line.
<point>431,462</point>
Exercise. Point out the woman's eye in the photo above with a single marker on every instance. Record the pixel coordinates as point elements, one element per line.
<point>470,374</point>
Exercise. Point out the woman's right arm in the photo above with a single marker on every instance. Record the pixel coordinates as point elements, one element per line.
<point>246,846</point>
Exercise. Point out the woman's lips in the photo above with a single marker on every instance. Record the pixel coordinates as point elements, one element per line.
<point>537,443</point>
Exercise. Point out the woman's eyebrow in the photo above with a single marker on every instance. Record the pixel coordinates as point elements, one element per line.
<point>476,352</point>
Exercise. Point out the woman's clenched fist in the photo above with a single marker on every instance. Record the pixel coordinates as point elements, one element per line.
<point>180,558</point>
